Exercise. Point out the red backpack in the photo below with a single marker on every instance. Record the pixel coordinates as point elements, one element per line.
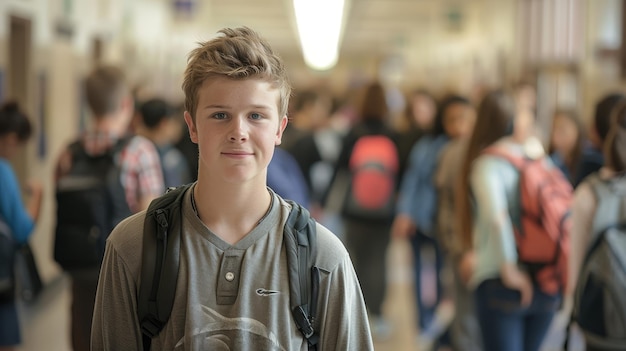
<point>542,234</point>
<point>374,164</point>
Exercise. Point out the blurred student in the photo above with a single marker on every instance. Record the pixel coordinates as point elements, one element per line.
<point>464,329</point>
<point>416,215</point>
<point>513,312</point>
<point>316,151</point>
<point>592,158</point>
<point>369,158</point>
<point>286,179</point>
<point>17,221</point>
<point>419,119</point>
<point>158,123</point>
<point>102,177</point>
<point>308,110</point>
<point>566,142</point>
<point>596,275</point>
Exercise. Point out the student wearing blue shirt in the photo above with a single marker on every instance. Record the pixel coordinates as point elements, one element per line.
<point>417,210</point>
<point>19,220</point>
<point>286,179</point>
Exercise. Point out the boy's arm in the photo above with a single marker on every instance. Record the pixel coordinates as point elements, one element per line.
<point>115,321</point>
<point>342,316</point>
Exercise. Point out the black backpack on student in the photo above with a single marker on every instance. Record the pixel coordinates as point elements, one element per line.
<point>8,247</point>
<point>161,256</point>
<point>90,202</point>
<point>600,298</point>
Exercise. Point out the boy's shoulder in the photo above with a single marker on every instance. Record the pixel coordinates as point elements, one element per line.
<point>330,250</point>
<point>126,240</point>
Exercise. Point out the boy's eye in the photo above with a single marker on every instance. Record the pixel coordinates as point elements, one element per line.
<point>219,115</point>
<point>255,116</point>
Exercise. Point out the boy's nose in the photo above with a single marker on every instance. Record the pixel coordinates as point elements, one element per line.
<point>239,130</point>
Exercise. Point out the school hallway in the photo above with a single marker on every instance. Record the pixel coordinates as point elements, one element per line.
<point>45,323</point>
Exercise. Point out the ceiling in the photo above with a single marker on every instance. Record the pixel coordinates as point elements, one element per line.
<point>372,26</point>
<point>403,42</point>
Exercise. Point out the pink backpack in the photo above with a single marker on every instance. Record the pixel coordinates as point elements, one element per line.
<point>374,167</point>
<point>542,234</point>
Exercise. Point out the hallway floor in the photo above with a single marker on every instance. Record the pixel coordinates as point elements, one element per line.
<point>46,322</point>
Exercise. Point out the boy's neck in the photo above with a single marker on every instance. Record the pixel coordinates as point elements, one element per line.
<point>231,212</point>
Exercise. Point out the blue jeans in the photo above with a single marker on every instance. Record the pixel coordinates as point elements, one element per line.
<point>505,324</point>
<point>421,242</point>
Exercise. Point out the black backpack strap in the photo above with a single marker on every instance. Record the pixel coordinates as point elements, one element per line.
<point>301,246</point>
<point>159,262</point>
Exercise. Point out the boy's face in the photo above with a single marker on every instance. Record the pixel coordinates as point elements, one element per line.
<point>236,127</point>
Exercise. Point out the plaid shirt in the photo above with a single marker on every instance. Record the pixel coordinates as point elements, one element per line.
<point>141,173</point>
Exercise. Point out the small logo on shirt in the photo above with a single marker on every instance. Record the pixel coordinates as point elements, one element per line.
<point>265,292</point>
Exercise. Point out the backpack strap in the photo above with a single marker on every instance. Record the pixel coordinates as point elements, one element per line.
<point>159,262</point>
<point>300,238</point>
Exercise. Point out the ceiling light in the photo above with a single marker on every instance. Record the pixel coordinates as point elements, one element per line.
<point>319,25</point>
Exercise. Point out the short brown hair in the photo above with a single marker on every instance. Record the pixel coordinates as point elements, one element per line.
<point>105,88</point>
<point>238,53</point>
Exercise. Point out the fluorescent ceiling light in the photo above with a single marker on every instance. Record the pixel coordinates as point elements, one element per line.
<point>319,27</point>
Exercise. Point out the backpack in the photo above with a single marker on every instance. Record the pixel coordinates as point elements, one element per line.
<point>8,248</point>
<point>542,231</point>
<point>161,255</point>
<point>600,295</point>
<point>90,202</point>
<point>374,165</point>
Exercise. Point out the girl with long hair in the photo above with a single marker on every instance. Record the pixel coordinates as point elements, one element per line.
<point>513,314</point>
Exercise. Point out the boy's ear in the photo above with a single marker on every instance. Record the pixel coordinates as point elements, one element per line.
<point>281,128</point>
<point>191,125</point>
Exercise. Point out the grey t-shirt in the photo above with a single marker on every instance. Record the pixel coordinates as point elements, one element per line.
<point>229,297</point>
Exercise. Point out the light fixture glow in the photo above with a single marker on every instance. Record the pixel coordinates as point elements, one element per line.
<point>319,27</point>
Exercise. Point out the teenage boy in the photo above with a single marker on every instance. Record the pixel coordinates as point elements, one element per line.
<point>233,287</point>
<point>135,180</point>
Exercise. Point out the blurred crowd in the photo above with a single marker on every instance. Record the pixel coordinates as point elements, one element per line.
<point>441,170</point>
